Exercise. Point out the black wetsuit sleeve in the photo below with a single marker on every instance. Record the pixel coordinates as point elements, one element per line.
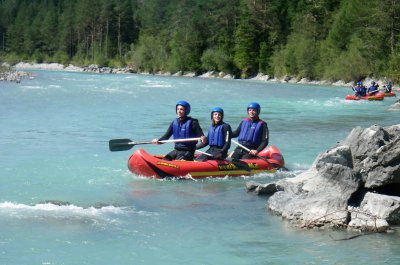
<point>201,145</point>
<point>167,134</point>
<point>265,137</point>
<point>196,128</point>
<point>236,132</point>
<point>227,131</point>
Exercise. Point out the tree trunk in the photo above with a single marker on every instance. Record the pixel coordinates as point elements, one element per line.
<point>119,37</point>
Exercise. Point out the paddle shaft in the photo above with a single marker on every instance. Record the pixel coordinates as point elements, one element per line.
<point>126,144</point>
<point>204,153</point>
<point>168,141</point>
<point>248,150</point>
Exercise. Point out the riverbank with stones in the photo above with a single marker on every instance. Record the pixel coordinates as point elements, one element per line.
<point>210,74</point>
<point>11,74</point>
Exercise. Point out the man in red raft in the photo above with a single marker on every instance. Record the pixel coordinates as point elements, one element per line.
<point>252,133</point>
<point>373,89</point>
<point>182,127</point>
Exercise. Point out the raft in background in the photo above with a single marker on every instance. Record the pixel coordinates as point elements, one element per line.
<point>389,94</point>
<point>143,164</point>
<point>378,96</point>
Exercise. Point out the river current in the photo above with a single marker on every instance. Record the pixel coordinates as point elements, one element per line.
<point>66,199</point>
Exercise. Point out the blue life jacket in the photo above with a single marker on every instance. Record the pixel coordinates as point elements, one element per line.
<point>389,87</point>
<point>183,130</point>
<point>372,89</point>
<point>250,133</point>
<point>363,91</point>
<point>216,135</point>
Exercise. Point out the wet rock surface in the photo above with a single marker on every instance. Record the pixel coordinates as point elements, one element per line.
<point>355,184</point>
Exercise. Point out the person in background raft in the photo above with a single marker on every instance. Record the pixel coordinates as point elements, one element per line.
<point>182,127</point>
<point>360,89</point>
<point>373,89</point>
<point>252,133</point>
<point>388,87</point>
<point>218,138</point>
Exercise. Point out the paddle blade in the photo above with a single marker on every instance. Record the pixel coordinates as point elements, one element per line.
<point>240,164</point>
<point>120,144</point>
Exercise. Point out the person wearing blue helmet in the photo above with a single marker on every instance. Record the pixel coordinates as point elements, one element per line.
<point>359,89</point>
<point>373,89</point>
<point>218,137</point>
<point>252,133</point>
<point>388,86</point>
<point>182,127</point>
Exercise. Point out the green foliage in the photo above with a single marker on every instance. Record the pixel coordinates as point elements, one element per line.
<point>61,57</point>
<point>263,58</point>
<point>149,55</point>
<point>319,39</point>
<point>11,58</point>
<point>216,60</point>
<point>245,48</point>
<point>349,65</point>
<point>392,70</point>
<point>278,62</point>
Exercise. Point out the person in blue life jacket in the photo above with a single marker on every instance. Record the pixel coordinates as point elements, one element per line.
<point>388,86</point>
<point>182,127</point>
<point>252,133</point>
<point>359,89</point>
<point>218,137</point>
<point>373,89</point>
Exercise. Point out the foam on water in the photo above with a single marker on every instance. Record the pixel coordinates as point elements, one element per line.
<point>106,214</point>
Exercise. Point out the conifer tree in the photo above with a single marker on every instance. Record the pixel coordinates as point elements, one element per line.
<point>245,43</point>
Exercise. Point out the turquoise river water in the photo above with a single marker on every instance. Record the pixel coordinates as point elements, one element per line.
<point>66,199</point>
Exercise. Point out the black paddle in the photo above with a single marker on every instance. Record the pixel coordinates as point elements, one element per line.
<point>248,150</point>
<point>126,144</point>
<point>263,158</point>
<point>238,163</point>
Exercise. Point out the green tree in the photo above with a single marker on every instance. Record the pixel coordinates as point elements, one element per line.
<point>245,43</point>
<point>67,34</point>
<point>357,36</point>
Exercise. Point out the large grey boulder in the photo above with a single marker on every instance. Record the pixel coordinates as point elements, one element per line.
<point>319,196</point>
<point>354,184</point>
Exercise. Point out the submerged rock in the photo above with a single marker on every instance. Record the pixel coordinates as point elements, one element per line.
<point>395,106</point>
<point>355,184</point>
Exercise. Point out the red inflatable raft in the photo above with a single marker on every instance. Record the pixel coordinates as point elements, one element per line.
<point>144,164</point>
<point>378,96</point>
<point>389,94</point>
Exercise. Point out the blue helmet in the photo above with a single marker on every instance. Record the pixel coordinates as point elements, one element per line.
<point>254,105</point>
<point>359,83</point>
<point>373,83</point>
<point>217,109</point>
<point>183,104</point>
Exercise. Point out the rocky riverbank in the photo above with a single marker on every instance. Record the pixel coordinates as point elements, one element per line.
<point>8,73</point>
<point>18,75</point>
<point>210,74</point>
<point>354,185</point>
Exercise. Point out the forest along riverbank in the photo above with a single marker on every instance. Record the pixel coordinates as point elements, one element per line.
<point>210,74</point>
